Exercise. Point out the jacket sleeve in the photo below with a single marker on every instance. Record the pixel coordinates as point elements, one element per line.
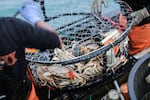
<point>137,4</point>
<point>39,38</point>
<point>148,8</point>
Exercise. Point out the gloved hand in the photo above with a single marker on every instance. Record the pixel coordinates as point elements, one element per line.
<point>31,11</point>
<point>97,5</point>
<point>139,16</point>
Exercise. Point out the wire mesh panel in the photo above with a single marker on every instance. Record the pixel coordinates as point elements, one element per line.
<point>93,45</point>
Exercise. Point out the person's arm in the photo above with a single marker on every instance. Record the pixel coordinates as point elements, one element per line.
<point>35,37</point>
<point>31,12</point>
<point>44,25</point>
<point>138,15</point>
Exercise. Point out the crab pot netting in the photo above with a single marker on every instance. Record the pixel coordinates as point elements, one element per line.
<point>93,47</point>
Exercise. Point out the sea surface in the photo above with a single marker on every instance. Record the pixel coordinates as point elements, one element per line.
<point>53,8</point>
<point>8,7</point>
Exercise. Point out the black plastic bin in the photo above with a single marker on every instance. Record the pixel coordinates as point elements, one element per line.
<point>137,85</point>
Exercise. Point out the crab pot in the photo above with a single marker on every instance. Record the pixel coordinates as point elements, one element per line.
<point>88,39</point>
<point>138,88</point>
<point>94,90</point>
<point>98,90</point>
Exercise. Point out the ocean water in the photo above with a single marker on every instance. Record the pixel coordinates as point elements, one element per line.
<point>56,7</point>
<point>8,7</point>
<point>53,8</point>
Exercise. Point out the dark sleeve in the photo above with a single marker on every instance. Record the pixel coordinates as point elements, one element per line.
<point>37,37</point>
<point>137,4</point>
<point>148,8</point>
